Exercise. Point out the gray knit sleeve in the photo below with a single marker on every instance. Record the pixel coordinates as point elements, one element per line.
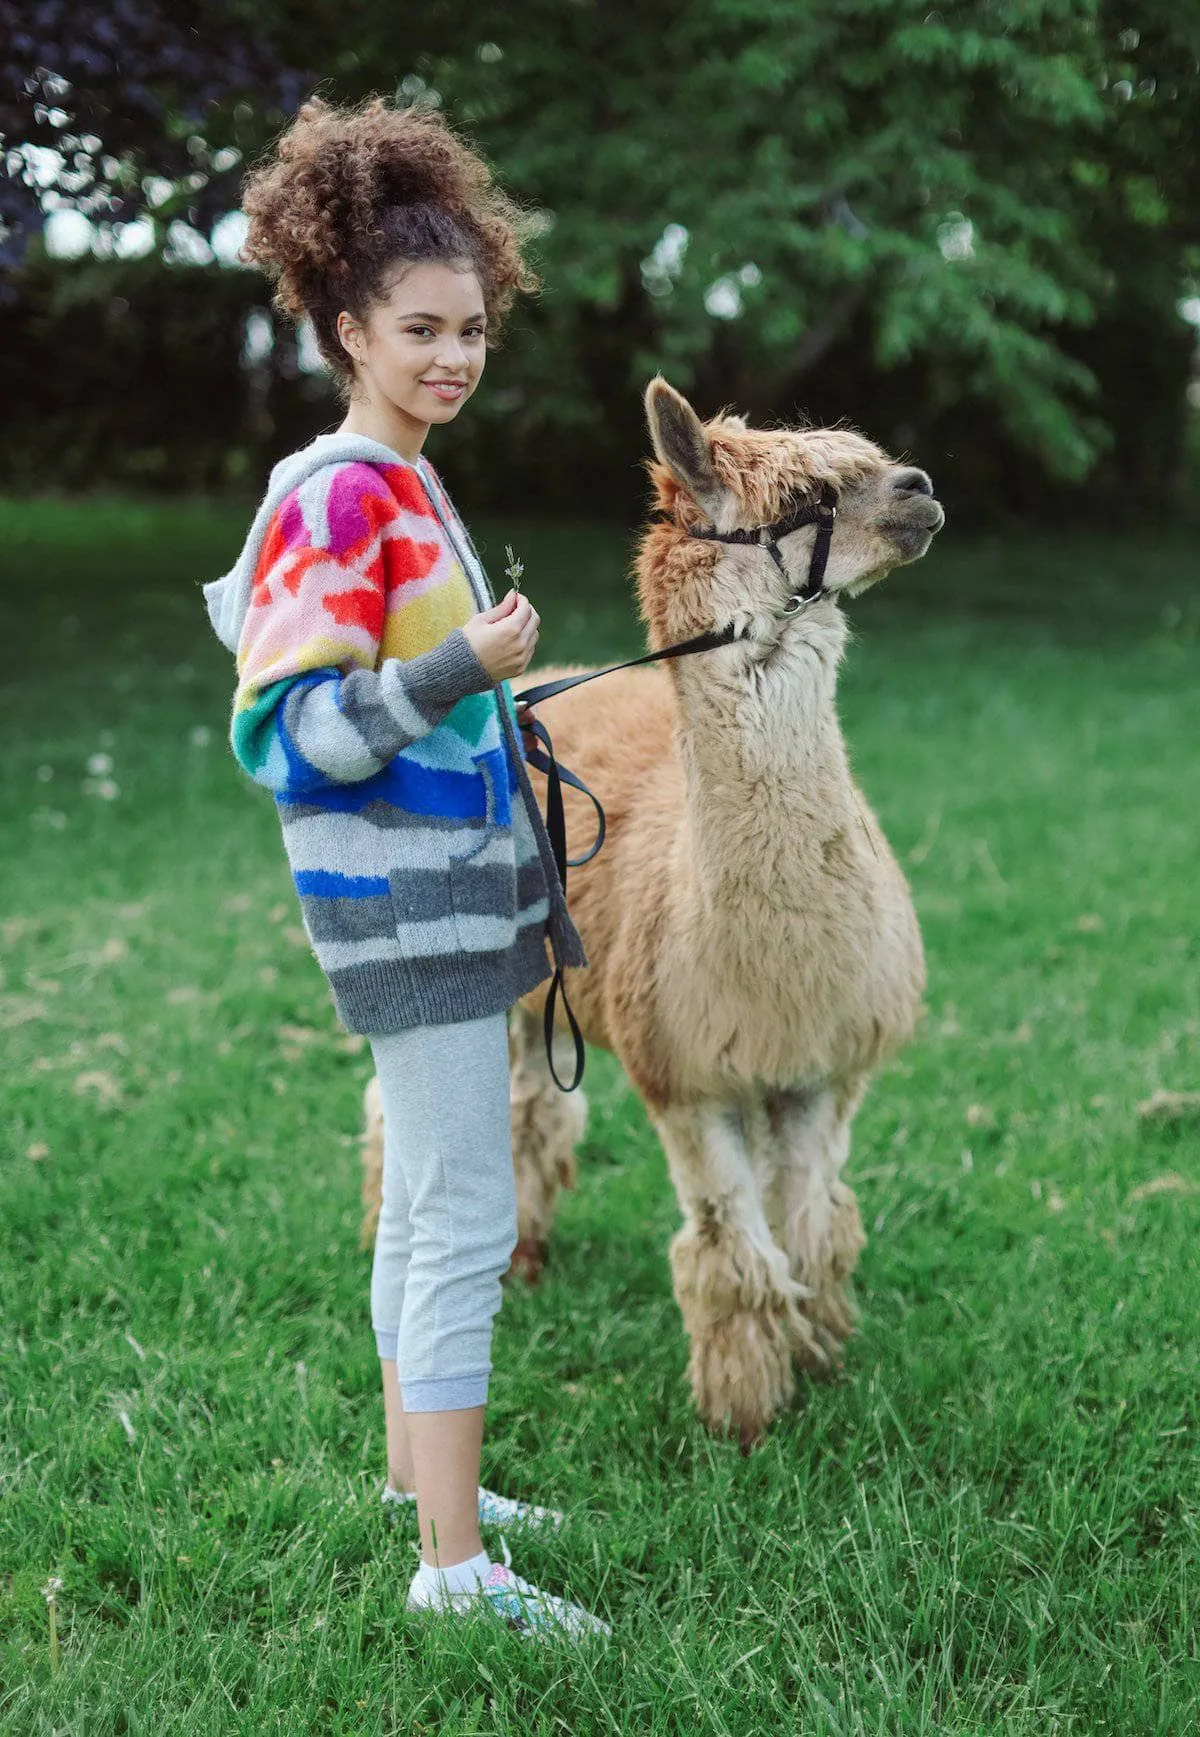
<point>323,726</point>
<point>350,727</point>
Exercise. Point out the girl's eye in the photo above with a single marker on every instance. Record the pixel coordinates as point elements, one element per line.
<point>419,331</point>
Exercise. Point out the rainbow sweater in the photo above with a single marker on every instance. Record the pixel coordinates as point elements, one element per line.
<point>425,877</point>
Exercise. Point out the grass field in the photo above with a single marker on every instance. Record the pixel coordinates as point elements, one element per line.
<point>988,1525</point>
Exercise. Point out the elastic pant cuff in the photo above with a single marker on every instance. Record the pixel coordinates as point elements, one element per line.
<point>445,1392</point>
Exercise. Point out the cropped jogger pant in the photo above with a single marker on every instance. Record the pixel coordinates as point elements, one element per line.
<point>448,1221</point>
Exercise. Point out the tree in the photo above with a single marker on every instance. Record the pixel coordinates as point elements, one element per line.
<point>142,106</point>
<point>965,187</point>
<point>985,201</point>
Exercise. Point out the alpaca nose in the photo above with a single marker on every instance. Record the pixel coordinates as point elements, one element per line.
<point>912,482</point>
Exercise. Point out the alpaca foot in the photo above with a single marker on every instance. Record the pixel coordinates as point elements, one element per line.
<point>829,1314</point>
<point>528,1259</point>
<point>741,1373</point>
<point>741,1312</point>
<point>812,1349</point>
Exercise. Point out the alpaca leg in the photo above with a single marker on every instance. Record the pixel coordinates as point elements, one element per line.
<point>371,1145</point>
<point>547,1124</point>
<point>815,1214</point>
<point>739,1302</point>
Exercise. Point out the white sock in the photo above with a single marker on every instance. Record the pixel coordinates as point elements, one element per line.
<point>459,1577</point>
<point>393,1495</point>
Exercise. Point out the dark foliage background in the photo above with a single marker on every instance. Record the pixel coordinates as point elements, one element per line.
<point>967,231</point>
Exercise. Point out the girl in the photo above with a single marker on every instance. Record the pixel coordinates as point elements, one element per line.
<point>373,701</point>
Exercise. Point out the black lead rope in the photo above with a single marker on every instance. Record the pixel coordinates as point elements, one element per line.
<point>556,825</point>
<point>822,514</point>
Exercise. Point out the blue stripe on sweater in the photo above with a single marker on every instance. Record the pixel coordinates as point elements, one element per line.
<point>326,884</point>
<point>417,789</point>
<point>301,773</point>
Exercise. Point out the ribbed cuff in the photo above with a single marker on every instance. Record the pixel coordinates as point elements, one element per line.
<point>445,1393</point>
<point>436,680</point>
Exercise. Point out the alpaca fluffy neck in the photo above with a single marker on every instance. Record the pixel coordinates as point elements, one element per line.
<point>765,768</point>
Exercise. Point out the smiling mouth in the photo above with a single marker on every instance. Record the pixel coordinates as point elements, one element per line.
<point>446,388</point>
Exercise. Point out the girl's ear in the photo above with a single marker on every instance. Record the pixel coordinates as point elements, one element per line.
<point>349,335</point>
<point>680,442</point>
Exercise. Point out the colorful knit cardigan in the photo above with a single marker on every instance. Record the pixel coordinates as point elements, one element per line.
<point>426,881</point>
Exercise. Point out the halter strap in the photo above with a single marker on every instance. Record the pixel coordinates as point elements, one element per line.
<point>821,513</point>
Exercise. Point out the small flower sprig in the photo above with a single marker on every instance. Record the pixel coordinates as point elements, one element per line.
<point>50,1593</point>
<point>514,569</point>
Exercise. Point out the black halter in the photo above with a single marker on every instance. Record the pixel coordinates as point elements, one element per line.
<point>822,514</point>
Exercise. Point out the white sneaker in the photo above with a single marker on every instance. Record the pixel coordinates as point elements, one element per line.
<point>494,1510</point>
<point>506,1597</point>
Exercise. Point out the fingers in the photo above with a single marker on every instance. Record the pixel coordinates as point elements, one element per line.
<point>515,609</point>
<point>527,627</point>
<point>518,624</point>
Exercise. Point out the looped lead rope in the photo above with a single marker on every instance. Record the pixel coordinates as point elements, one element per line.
<point>556,826</point>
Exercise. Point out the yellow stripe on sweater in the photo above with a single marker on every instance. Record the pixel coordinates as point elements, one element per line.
<point>418,626</point>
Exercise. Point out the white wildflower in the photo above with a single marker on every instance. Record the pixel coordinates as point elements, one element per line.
<point>99,764</point>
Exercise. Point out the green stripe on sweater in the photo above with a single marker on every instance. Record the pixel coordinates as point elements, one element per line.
<point>252,730</point>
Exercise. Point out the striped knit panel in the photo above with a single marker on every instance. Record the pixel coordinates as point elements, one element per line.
<point>440,921</point>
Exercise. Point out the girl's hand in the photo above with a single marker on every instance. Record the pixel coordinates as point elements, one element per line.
<point>504,637</point>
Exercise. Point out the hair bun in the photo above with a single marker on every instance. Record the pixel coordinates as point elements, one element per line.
<point>323,206</point>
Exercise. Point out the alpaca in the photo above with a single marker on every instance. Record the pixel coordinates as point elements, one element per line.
<point>754,950</point>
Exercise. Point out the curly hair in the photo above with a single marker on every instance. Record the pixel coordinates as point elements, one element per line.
<point>349,193</point>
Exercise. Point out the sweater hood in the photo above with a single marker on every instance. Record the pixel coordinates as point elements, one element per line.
<point>228,599</point>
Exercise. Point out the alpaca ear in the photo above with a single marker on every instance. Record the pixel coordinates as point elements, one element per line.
<point>681,444</point>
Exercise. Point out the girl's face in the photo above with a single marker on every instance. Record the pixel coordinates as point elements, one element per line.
<point>420,351</point>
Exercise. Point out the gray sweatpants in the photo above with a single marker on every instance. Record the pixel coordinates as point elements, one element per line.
<point>448,1223</point>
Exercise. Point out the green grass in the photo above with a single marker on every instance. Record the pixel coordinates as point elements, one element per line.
<point>989,1525</point>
